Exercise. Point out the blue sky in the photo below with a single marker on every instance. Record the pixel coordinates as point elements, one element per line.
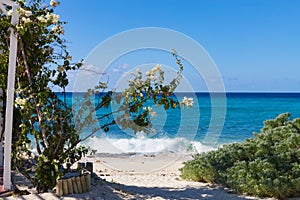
<point>254,43</point>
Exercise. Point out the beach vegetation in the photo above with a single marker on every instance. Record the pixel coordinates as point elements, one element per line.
<point>47,131</point>
<point>41,119</point>
<point>267,165</point>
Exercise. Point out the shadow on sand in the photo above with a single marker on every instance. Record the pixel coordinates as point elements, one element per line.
<point>102,189</point>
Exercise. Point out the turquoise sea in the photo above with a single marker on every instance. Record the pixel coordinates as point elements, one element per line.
<point>227,118</point>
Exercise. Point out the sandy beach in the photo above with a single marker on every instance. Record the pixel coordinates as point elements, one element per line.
<point>143,176</point>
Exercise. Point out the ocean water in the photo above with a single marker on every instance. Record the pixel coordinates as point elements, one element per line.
<point>212,121</point>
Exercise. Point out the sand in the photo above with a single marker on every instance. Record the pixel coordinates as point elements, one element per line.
<point>144,176</point>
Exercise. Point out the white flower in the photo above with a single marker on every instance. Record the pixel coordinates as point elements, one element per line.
<point>21,11</point>
<point>184,100</point>
<point>156,68</point>
<point>22,1</point>
<point>42,19</point>
<point>26,20</point>
<point>149,109</point>
<point>55,29</point>
<point>20,102</point>
<point>9,13</point>
<point>58,29</point>
<point>19,27</point>
<point>153,114</point>
<point>141,95</point>
<point>137,82</point>
<point>187,102</point>
<point>54,3</point>
<point>28,13</point>
<point>152,77</point>
<point>48,15</point>
<point>148,73</point>
<point>55,18</point>
<point>151,74</point>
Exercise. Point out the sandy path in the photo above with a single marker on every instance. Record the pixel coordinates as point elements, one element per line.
<point>143,177</point>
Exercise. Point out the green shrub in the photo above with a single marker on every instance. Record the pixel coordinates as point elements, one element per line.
<point>267,165</point>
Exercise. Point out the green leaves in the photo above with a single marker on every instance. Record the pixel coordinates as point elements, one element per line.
<point>42,63</point>
<point>130,107</point>
<point>267,165</point>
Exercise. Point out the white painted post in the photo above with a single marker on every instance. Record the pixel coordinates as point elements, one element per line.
<point>10,93</point>
<point>1,126</point>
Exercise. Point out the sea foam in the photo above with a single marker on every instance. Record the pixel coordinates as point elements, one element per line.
<point>145,145</point>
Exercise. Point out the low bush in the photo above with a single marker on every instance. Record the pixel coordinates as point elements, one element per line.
<point>267,165</point>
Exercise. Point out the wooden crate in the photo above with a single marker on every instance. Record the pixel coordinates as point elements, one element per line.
<point>78,184</point>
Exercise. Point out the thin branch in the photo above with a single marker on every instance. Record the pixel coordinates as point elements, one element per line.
<point>96,130</point>
<point>60,135</point>
<point>36,140</point>
<point>37,107</point>
<point>85,138</point>
<point>94,71</point>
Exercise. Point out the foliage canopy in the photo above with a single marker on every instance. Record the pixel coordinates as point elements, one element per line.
<point>45,121</point>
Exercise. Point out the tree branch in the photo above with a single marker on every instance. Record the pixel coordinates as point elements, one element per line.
<point>85,138</point>
<point>37,107</point>
<point>60,136</point>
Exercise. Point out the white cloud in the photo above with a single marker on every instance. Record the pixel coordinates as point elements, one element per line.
<point>127,75</point>
<point>124,66</point>
<point>116,70</point>
<point>91,69</point>
<point>87,77</point>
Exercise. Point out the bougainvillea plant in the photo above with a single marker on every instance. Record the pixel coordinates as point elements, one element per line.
<point>47,122</point>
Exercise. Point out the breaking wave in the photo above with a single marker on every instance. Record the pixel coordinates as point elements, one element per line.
<point>145,145</point>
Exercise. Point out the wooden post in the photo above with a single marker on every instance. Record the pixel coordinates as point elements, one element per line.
<point>89,167</point>
<point>88,181</point>
<point>10,95</point>
<point>1,127</point>
<point>78,182</point>
<point>70,186</point>
<point>83,183</point>
<point>59,188</point>
<point>80,166</point>
<point>75,189</point>
<point>65,186</point>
